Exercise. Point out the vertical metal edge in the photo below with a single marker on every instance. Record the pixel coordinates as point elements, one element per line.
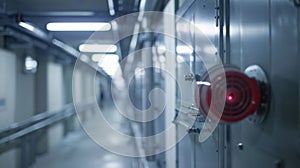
<point>221,129</point>
<point>221,145</point>
<point>194,44</point>
<point>221,25</point>
<point>298,51</point>
<point>194,71</point>
<point>227,26</point>
<point>227,61</point>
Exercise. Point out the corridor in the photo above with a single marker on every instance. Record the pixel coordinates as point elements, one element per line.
<point>149,84</point>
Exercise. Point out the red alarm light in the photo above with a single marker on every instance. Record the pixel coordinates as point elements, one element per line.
<point>236,95</point>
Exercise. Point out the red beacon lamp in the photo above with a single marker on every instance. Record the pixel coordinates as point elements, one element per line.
<point>232,95</point>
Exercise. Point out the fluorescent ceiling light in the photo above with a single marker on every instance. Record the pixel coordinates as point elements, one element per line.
<point>184,49</point>
<point>65,47</point>
<point>110,65</point>
<point>101,57</point>
<point>70,13</point>
<point>100,48</point>
<point>111,8</point>
<point>61,13</point>
<point>27,26</point>
<point>78,26</point>
<point>33,29</point>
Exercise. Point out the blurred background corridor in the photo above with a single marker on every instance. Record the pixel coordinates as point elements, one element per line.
<point>149,84</point>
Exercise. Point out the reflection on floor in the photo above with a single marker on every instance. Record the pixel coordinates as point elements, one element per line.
<point>77,150</point>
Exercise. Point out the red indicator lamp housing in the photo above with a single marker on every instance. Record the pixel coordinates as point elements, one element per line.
<point>231,95</point>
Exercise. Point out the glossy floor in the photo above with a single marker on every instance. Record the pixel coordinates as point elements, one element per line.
<point>77,150</point>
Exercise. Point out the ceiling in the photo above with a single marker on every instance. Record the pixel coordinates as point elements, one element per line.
<point>41,12</point>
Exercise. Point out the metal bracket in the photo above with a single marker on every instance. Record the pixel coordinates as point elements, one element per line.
<point>255,71</point>
<point>192,77</point>
<point>217,13</point>
<point>189,77</point>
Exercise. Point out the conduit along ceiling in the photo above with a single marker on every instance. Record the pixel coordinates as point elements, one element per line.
<point>24,23</point>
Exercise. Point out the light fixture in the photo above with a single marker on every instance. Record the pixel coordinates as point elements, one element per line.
<point>30,65</point>
<point>110,67</point>
<point>66,47</point>
<point>98,48</point>
<point>68,13</point>
<point>111,8</point>
<point>110,64</point>
<point>78,26</point>
<point>181,49</point>
<point>33,29</point>
<point>100,57</point>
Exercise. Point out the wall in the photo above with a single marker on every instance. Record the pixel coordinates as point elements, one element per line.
<point>265,33</point>
<point>25,100</point>
<point>56,100</point>
<point>19,90</point>
<point>197,27</point>
<point>7,98</point>
<point>268,37</point>
<point>25,89</point>
<point>170,85</point>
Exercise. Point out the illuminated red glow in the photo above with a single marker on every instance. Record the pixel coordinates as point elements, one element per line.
<point>237,96</point>
<point>230,97</point>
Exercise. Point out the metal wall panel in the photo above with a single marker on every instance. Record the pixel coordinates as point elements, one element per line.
<point>207,153</point>
<point>249,41</point>
<point>200,22</point>
<point>185,148</point>
<point>284,72</point>
<point>267,37</point>
<point>265,33</point>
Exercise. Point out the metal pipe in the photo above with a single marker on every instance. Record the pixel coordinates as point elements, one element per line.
<point>37,122</point>
<point>30,121</point>
<point>36,126</point>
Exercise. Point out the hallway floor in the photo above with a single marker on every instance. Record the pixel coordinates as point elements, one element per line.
<point>77,150</point>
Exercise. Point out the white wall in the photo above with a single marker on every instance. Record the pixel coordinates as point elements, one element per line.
<point>55,94</point>
<point>25,90</point>
<point>7,96</point>
<point>55,86</point>
<point>170,84</point>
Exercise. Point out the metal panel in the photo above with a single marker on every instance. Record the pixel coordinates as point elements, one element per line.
<point>185,148</point>
<point>264,33</point>
<point>207,153</point>
<point>249,45</point>
<point>284,70</point>
<point>201,14</point>
<point>267,37</point>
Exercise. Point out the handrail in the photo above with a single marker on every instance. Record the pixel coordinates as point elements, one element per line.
<point>44,123</point>
<point>10,136</point>
<point>32,120</point>
<point>18,130</point>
